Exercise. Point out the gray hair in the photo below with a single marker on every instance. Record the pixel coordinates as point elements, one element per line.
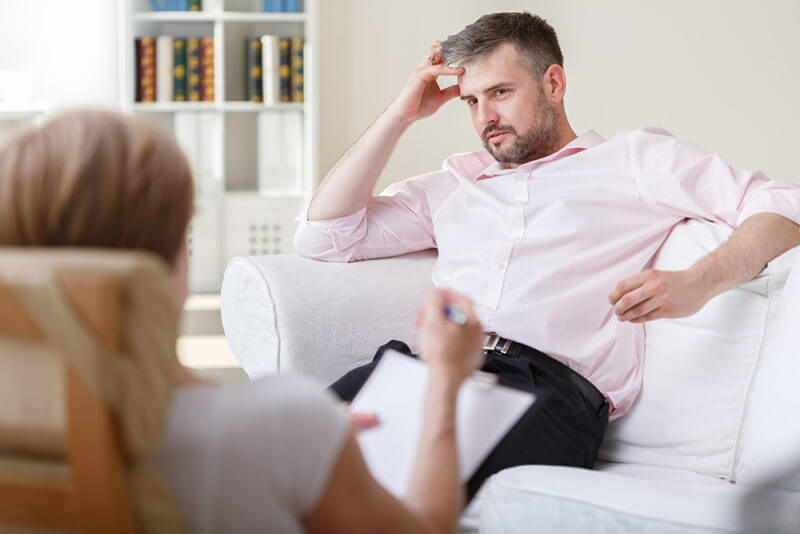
<point>534,38</point>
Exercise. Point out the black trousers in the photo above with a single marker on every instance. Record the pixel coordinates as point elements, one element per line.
<point>565,425</point>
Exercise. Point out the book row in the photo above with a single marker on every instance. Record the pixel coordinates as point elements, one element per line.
<point>175,69</point>
<point>274,69</point>
<point>176,5</point>
<point>270,6</point>
<point>283,6</point>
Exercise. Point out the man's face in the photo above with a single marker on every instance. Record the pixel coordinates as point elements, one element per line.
<point>509,109</point>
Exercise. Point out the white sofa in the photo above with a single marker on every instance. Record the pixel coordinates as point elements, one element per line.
<point>710,445</point>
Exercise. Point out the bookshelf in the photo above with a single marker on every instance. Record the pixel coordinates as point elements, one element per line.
<point>240,212</point>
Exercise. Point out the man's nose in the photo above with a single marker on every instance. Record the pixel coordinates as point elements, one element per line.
<point>487,114</point>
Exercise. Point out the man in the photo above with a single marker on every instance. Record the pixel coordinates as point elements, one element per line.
<point>550,234</point>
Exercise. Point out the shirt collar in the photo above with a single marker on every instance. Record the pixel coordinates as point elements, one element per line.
<point>579,144</point>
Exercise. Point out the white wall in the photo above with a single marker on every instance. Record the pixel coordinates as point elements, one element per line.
<point>723,74</point>
<point>69,45</point>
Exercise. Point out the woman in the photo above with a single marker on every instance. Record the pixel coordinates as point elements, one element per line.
<point>274,454</point>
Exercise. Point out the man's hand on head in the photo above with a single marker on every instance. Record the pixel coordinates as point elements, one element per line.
<point>654,294</point>
<point>421,96</point>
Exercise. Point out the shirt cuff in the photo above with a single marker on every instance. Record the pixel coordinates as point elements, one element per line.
<point>339,234</point>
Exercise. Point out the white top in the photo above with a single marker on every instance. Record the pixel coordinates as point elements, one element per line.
<point>250,456</point>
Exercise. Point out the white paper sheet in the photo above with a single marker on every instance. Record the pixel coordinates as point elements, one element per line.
<point>396,393</point>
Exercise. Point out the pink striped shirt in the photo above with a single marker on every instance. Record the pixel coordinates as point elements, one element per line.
<point>540,247</point>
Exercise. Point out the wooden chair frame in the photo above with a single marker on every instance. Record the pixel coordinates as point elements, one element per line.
<point>96,498</point>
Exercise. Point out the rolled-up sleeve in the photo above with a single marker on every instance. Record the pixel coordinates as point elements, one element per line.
<point>689,182</point>
<point>398,221</point>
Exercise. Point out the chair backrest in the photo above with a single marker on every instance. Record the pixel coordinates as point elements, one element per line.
<point>66,443</point>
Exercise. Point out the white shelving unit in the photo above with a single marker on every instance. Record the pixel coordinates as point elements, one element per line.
<point>239,216</point>
<point>15,117</point>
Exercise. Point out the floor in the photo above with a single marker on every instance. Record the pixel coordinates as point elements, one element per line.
<point>202,345</point>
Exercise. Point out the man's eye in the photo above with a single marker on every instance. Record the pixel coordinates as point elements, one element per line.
<point>500,92</point>
<point>472,101</point>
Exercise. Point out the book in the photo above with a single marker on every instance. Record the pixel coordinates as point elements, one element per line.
<point>164,75</point>
<point>179,69</point>
<point>207,69</point>
<point>273,6</point>
<point>137,52</point>
<point>292,6</point>
<point>193,68</point>
<point>270,69</point>
<point>280,150</point>
<point>198,133</point>
<point>285,69</point>
<point>254,88</point>
<point>195,5</point>
<point>395,391</point>
<point>146,69</point>
<point>296,64</point>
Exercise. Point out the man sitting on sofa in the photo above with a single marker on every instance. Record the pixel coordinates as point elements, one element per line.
<point>551,234</point>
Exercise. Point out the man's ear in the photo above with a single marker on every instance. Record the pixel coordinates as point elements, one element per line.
<point>554,83</point>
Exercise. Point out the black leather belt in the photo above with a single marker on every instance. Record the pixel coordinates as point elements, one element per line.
<point>496,344</point>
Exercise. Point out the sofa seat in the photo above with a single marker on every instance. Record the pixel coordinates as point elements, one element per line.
<point>611,498</point>
<point>629,498</point>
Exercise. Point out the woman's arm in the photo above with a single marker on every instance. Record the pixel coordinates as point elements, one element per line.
<point>353,501</point>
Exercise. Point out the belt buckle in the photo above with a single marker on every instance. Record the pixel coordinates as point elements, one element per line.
<point>493,340</point>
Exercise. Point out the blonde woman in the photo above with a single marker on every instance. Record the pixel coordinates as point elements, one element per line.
<point>270,455</point>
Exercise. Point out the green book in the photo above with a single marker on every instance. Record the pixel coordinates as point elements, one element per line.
<point>285,69</point>
<point>254,79</point>
<point>195,5</point>
<point>179,69</point>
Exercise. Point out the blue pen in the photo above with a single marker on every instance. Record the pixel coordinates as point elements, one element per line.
<point>454,314</point>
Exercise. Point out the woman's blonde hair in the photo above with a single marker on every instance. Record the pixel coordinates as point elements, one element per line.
<point>95,179</point>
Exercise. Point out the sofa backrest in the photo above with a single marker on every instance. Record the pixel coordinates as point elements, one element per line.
<point>771,452</point>
<point>699,371</point>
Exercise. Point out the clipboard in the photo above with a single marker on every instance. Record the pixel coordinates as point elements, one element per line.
<point>395,391</point>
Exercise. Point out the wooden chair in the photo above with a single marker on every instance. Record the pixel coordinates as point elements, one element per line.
<point>95,497</point>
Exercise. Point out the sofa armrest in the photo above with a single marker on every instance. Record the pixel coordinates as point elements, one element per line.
<point>289,314</point>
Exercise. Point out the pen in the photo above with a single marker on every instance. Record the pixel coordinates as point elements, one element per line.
<point>454,314</point>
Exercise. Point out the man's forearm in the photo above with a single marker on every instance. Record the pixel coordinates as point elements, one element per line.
<point>757,241</point>
<point>348,186</point>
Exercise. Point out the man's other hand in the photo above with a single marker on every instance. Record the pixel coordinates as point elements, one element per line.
<point>421,96</point>
<point>654,294</point>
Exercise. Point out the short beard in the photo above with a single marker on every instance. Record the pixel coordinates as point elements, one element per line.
<point>539,141</point>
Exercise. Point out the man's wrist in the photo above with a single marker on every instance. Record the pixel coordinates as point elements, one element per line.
<point>395,120</point>
<point>707,277</point>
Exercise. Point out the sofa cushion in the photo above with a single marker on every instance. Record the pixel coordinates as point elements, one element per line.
<point>771,454</point>
<point>698,370</point>
<point>620,498</point>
